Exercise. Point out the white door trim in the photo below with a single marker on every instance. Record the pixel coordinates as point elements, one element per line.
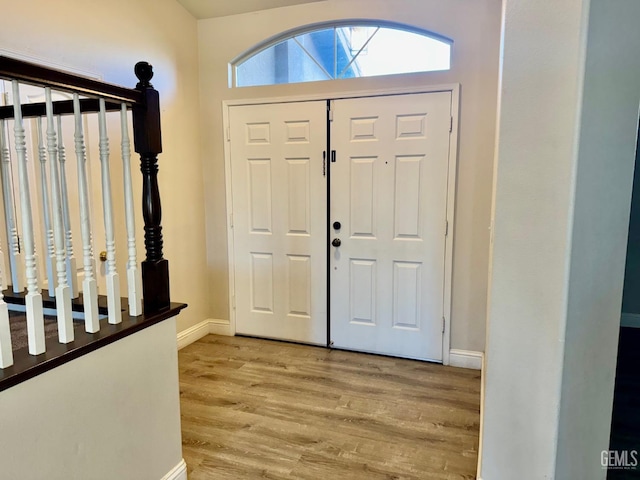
<point>226,126</point>
<point>376,92</point>
<point>451,204</point>
<point>454,88</point>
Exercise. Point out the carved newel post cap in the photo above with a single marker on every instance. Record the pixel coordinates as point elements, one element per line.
<point>144,72</point>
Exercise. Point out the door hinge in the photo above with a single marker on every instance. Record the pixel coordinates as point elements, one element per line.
<point>324,163</point>
<point>333,156</point>
<point>450,124</point>
<point>446,228</point>
<point>231,220</point>
<point>228,134</point>
<point>233,301</point>
<point>330,110</point>
<point>443,324</point>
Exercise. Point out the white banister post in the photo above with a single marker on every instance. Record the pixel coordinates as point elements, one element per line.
<point>63,292</point>
<point>33,300</point>
<point>46,209</point>
<point>15,257</point>
<point>134,275</point>
<point>6,350</point>
<point>89,284</point>
<point>72,270</point>
<point>113,281</point>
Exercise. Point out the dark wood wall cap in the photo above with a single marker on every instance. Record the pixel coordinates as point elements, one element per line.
<point>26,366</point>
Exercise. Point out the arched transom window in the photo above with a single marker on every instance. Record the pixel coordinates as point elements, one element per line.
<point>362,49</point>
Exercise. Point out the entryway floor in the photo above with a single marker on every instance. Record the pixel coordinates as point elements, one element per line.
<point>264,409</point>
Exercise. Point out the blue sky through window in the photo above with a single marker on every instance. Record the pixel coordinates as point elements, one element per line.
<point>343,52</point>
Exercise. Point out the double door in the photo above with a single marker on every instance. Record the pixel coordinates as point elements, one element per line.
<point>339,222</point>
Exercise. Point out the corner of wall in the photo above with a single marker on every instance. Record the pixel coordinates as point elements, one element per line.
<point>194,333</point>
<point>466,359</point>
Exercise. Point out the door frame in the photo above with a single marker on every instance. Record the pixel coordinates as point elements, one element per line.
<point>452,171</point>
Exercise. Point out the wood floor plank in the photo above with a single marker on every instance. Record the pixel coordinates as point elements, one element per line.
<point>263,409</point>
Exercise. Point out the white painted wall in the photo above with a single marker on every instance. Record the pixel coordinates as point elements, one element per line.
<point>538,117</point>
<point>113,413</point>
<point>567,132</point>
<point>474,27</point>
<point>107,39</point>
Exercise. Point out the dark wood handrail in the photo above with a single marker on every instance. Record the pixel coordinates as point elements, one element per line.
<point>31,73</point>
<point>60,107</point>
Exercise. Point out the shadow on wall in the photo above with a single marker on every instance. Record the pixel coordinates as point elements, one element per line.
<point>631,293</point>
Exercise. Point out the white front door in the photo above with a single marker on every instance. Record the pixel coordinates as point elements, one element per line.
<point>279,195</point>
<point>389,195</point>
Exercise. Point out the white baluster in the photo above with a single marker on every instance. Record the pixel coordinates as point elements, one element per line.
<point>72,270</point>
<point>89,284</point>
<point>15,257</point>
<point>3,267</point>
<point>33,300</point>
<point>3,279</point>
<point>6,350</point>
<point>113,281</point>
<point>46,209</point>
<point>63,292</point>
<point>134,275</point>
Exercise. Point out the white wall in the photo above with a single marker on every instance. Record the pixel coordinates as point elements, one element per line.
<point>567,131</point>
<point>474,27</point>
<point>107,39</point>
<point>113,413</point>
<point>539,97</point>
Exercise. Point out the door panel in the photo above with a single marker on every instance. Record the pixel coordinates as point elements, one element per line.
<point>389,192</point>
<point>279,196</point>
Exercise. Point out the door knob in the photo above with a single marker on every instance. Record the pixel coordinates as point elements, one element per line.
<point>336,242</point>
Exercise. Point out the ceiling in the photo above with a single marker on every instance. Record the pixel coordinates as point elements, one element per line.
<point>222,8</point>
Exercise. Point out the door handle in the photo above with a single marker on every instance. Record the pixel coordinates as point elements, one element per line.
<point>336,242</point>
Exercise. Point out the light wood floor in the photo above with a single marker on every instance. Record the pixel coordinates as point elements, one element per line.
<point>262,409</point>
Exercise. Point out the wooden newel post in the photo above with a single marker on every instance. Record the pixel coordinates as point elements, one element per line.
<point>148,143</point>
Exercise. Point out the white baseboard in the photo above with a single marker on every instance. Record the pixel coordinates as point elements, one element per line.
<point>630,320</point>
<point>199,330</point>
<point>466,359</point>
<point>219,327</point>
<point>193,334</point>
<point>179,472</point>
<point>457,358</point>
